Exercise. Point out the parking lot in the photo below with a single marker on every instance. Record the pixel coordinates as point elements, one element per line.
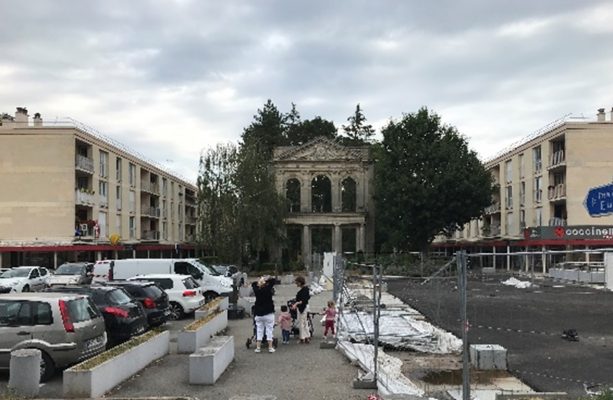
<point>529,323</point>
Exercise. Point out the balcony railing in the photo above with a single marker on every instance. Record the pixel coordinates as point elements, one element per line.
<point>557,192</point>
<point>557,158</point>
<point>491,231</point>
<point>150,187</point>
<point>84,198</point>
<point>492,209</point>
<point>150,235</point>
<point>150,212</point>
<point>84,163</point>
<point>557,222</point>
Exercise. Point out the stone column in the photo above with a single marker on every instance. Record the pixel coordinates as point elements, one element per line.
<point>306,244</point>
<point>361,238</point>
<point>337,241</point>
<point>335,192</point>
<point>305,194</point>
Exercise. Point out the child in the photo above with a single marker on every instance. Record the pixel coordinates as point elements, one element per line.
<point>285,322</point>
<point>330,313</point>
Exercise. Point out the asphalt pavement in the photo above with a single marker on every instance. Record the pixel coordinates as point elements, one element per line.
<point>529,323</point>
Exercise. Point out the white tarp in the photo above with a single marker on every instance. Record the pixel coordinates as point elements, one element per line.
<point>390,379</point>
<point>517,283</point>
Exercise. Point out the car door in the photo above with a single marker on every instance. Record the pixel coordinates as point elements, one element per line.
<point>34,279</point>
<point>15,321</point>
<point>44,276</point>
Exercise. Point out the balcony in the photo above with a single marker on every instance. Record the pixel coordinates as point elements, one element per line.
<point>492,209</point>
<point>557,159</point>
<point>84,164</point>
<point>150,235</point>
<point>557,222</point>
<point>152,212</point>
<point>491,230</point>
<point>84,197</point>
<point>104,201</point>
<point>557,192</point>
<point>150,187</point>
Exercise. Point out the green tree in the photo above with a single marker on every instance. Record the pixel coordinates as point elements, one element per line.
<point>218,202</point>
<point>427,181</point>
<point>357,131</point>
<point>298,134</point>
<point>267,130</point>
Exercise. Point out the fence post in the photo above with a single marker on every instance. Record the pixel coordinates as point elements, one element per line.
<point>461,264</point>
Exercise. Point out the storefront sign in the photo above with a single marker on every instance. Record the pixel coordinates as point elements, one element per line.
<point>570,232</point>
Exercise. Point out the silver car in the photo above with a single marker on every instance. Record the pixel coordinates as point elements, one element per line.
<point>66,328</point>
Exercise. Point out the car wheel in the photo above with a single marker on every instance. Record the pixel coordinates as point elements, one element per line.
<point>208,296</point>
<point>47,367</point>
<point>176,311</point>
<point>26,288</point>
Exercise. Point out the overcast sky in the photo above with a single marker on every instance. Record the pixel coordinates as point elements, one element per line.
<point>169,78</point>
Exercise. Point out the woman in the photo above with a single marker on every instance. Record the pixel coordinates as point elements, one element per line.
<point>264,311</point>
<point>301,304</point>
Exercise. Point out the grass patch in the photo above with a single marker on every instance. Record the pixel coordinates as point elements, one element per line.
<point>194,326</point>
<point>115,351</point>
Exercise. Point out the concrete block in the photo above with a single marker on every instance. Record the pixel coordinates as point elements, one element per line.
<point>488,356</point>
<point>571,275</point>
<point>208,363</point>
<point>597,277</point>
<point>220,303</point>
<point>585,276</point>
<point>94,382</point>
<point>189,341</point>
<point>24,372</point>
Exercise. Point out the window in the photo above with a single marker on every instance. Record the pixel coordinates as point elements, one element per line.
<point>104,164</point>
<point>118,169</point>
<point>536,159</point>
<point>348,195</point>
<point>321,194</point>
<point>34,273</point>
<point>132,201</point>
<point>102,224</point>
<point>509,197</point>
<point>509,224</point>
<point>118,197</point>
<point>522,219</point>
<point>164,186</point>
<point>164,230</point>
<point>118,224</point>
<point>22,313</point>
<point>82,310</point>
<point>292,194</point>
<point>538,189</point>
<point>522,193</point>
<point>132,223</point>
<point>132,174</point>
<point>538,217</point>
<point>509,171</point>
<point>103,190</point>
<point>522,166</point>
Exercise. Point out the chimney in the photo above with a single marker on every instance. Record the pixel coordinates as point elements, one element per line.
<point>38,121</point>
<point>600,115</point>
<point>21,117</point>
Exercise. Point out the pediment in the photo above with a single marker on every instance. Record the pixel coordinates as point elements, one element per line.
<point>320,149</point>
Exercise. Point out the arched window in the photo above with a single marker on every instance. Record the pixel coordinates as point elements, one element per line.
<point>292,193</point>
<point>321,194</point>
<point>348,195</point>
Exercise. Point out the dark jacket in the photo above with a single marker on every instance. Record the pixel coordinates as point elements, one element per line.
<point>303,295</point>
<point>263,298</point>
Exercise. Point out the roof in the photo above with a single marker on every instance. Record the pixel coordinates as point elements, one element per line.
<point>37,296</point>
<point>165,276</point>
<point>321,149</point>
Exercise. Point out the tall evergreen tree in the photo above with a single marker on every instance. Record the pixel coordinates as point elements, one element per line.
<point>267,130</point>
<point>357,131</point>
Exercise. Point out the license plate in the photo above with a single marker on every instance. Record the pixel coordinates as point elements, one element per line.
<point>140,329</point>
<point>93,343</point>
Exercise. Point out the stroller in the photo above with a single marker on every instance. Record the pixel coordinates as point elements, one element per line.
<point>295,331</point>
<point>253,338</point>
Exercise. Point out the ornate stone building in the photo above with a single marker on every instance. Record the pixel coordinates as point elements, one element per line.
<point>330,191</point>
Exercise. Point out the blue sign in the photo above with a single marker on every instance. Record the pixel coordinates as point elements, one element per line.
<point>599,201</point>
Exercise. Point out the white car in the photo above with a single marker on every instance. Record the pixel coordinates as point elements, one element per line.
<point>184,293</point>
<point>25,279</point>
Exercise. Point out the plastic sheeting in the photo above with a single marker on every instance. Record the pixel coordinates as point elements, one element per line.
<point>390,379</point>
<point>517,283</point>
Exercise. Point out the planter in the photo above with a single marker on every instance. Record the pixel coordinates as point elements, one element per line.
<point>190,339</point>
<point>219,304</point>
<point>83,381</point>
<point>208,363</point>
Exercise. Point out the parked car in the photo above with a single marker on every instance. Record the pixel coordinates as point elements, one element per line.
<point>124,317</point>
<point>151,296</point>
<point>184,293</point>
<point>79,273</point>
<point>66,328</point>
<point>25,279</point>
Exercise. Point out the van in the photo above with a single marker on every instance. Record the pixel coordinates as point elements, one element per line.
<point>212,283</point>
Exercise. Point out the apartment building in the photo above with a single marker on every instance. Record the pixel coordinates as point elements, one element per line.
<point>543,184</point>
<point>68,193</point>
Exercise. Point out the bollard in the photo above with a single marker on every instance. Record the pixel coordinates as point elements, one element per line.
<point>24,373</point>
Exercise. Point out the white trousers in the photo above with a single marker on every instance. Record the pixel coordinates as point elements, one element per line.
<point>264,322</point>
<point>303,324</point>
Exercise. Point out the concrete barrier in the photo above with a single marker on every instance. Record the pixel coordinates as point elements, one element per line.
<point>208,363</point>
<point>24,372</point>
<point>488,356</point>
<point>189,340</point>
<point>220,303</point>
<point>95,381</point>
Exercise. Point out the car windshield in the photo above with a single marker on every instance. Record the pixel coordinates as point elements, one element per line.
<point>207,270</point>
<point>190,283</point>
<point>118,296</point>
<point>153,291</point>
<point>69,269</point>
<point>16,273</point>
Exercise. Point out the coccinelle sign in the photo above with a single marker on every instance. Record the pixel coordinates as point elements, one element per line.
<point>570,232</point>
